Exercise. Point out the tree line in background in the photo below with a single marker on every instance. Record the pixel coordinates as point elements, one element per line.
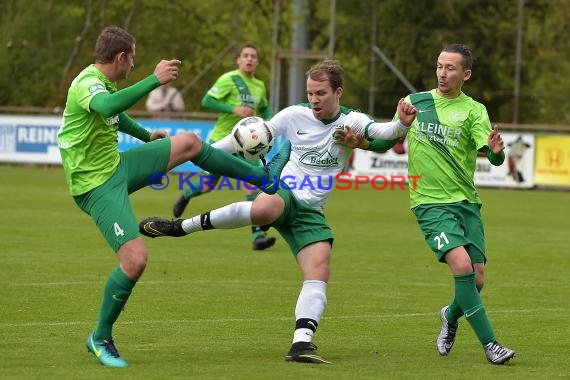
<point>44,44</point>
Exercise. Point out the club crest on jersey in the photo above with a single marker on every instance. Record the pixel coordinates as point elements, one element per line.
<point>458,117</point>
<point>324,160</point>
<point>96,87</point>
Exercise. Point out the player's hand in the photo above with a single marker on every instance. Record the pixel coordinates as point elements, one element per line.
<point>495,141</point>
<point>345,136</point>
<point>406,112</point>
<point>158,134</point>
<point>167,71</point>
<point>243,111</point>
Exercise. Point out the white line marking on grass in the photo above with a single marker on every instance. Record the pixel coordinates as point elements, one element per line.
<point>288,283</point>
<point>209,282</point>
<point>265,319</point>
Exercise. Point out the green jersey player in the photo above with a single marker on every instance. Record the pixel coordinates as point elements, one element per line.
<point>235,95</point>
<point>100,178</point>
<point>313,161</point>
<point>443,142</point>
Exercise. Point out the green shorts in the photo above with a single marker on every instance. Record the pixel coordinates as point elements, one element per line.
<point>451,225</point>
<point>301,224</point>
<point>109,204</point>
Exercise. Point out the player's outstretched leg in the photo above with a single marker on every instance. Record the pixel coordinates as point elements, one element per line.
<point>305,352</point>
<point>446,337</point>
<point>496,353</point>
<point>105,351</point>
<point>155,226</point>
<point>217,161</point>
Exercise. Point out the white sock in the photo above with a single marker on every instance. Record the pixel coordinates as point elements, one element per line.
<point>310,306</point>
<point>231,216</point>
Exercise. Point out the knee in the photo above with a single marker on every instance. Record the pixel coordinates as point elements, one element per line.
<point>189,144</point>
<point>133,262</point>
<point>324,271</point>
<point>315,265</point>
<point>135,267</point>
<point>464,268</point>
<point>264,216</point>
<point>459,261</point>
<point>189,139</point>
<point>139,261</point>
<point>266,209</point>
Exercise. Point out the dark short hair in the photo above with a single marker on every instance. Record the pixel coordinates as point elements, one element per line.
<point>245,46</point>
<point>327,70</point>
<point>464,51</point>
<point>112,41</point>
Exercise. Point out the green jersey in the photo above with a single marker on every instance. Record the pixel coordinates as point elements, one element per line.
<point>443,143</point>
<point>87,140</point>
<point>236,90</point>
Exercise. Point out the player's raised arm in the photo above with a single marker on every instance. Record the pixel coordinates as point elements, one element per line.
<point>394,129</point>
<point>406,112</point>
<point>167,71</point>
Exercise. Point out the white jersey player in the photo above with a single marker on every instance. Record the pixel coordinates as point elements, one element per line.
<point>315,158</point>
<point>311,160</point>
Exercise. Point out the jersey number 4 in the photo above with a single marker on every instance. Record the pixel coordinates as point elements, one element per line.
<point>118,230</point>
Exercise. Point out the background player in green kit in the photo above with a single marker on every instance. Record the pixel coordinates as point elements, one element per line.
<point>100,178</point>
<point>443,142</point>
<point>235,95</point>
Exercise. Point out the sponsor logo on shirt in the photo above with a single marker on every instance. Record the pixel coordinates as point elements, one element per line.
<point>324,160</point>
<point>248,100</point>
<point>439,133</point>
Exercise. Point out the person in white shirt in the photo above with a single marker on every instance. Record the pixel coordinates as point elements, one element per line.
<point>165,98</point>
<point>314,159</point>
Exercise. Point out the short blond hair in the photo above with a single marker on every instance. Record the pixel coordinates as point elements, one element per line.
<point>329,70</point>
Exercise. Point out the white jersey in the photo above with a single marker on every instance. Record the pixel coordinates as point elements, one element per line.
<point>315,159</point>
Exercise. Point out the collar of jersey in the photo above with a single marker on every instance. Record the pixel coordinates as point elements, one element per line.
<point>329,121</point>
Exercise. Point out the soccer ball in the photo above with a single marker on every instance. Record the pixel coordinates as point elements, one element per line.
<point>252,137</point>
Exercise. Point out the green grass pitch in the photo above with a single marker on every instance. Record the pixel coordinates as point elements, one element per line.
<point>208,307</point>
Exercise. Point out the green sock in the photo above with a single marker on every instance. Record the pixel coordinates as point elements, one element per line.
<point>217,161</point>
<point>454,312</point>
<point>117,290</point>
<point>469,300</point>
<point>255,229</point>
